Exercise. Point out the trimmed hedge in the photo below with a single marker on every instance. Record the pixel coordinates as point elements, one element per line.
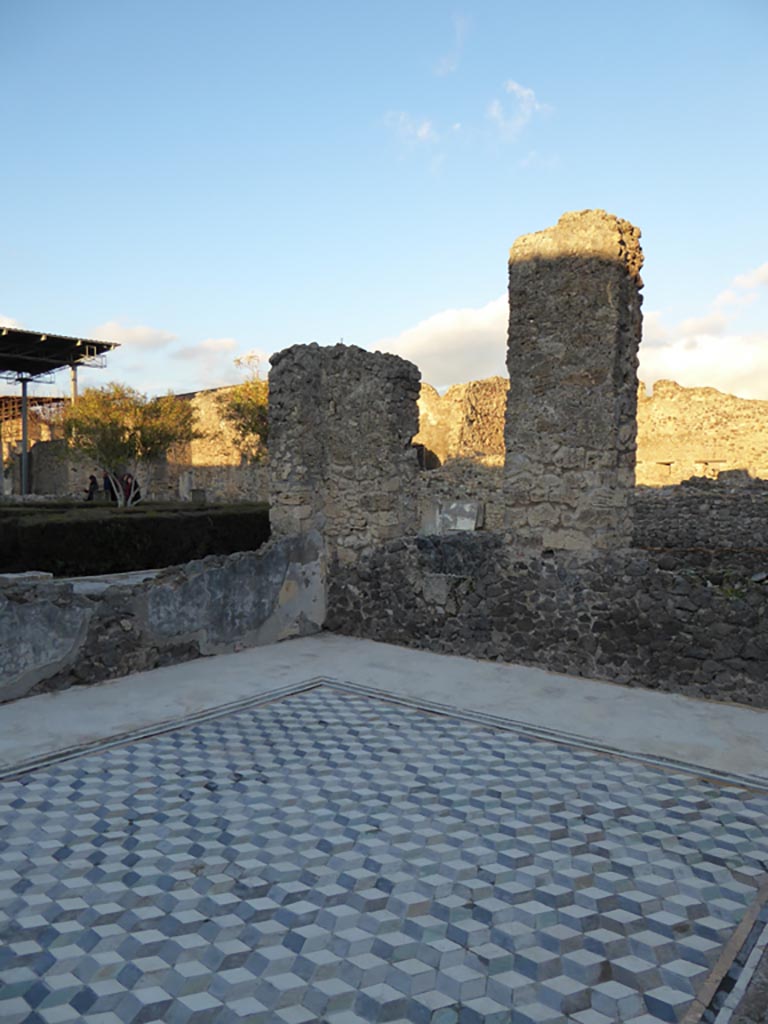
<point>94,541</point>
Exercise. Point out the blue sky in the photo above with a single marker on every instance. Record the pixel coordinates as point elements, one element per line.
<point>201,180</point>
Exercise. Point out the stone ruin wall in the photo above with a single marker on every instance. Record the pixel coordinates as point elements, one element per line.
<point>218,445</point>
<point>58,633</point>
<point>682,620</point>
<point>341,459</point>
<point>682,433</point>
<point>722,514</point>
<point>698,432</point>
<point>678,621</point>
<point>38,429</point>
<point>466,422</point>
<point>211,466</point>
<point>715,443</point>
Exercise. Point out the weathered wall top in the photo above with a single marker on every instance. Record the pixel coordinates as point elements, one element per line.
<point>584,233</point>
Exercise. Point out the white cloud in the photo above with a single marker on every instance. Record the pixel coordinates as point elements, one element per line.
<point>753,279</point>
<point>211,362</point>
<point>736,364</point>
<point>743,290</point>
<point>411,129</point>
<point>711,324</point>
<point>709,350</point>
<point>8,321</point>
<point>523,107</point>
<point>140,336</point>
<point>654,331</point>
<point>729,297</point>
<point>448,64</point>
<point>456,345</point>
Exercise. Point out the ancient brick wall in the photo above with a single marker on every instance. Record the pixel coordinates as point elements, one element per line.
<point>574,331</point>
<point>341,460</point>
<point>688,432</point>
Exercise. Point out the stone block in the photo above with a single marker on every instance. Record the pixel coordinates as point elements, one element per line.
<point>441,517</point>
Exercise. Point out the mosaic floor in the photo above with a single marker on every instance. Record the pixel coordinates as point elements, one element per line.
<point>335,858</point>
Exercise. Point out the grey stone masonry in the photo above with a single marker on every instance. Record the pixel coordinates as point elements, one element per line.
<point>570,432</point>
<point>60,633</point>
<point>341,461</point>
<point>691,622</point>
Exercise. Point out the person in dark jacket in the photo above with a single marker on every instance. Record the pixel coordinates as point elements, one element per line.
<point>93,488</point>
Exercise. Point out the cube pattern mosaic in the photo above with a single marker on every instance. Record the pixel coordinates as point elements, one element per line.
<point>337,858</point>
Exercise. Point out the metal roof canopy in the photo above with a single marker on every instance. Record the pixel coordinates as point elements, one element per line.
<point>33,353</point>
<point>25,355</point>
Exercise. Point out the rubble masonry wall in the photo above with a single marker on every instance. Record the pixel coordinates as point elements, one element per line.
<point>684,622</point>
<point>558,584</point>
<point>574,331</point>
<point>341,459</point>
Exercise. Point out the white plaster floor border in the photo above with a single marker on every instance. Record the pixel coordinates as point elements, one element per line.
<point>726,739</point>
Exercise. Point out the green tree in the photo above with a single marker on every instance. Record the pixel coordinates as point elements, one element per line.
<point>119,428</point>
<point>245,408</point>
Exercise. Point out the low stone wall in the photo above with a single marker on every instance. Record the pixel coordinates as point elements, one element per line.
<point>707,514</point>
<point>246,482</point>
<point>54,634</point>
<point>694,623</point>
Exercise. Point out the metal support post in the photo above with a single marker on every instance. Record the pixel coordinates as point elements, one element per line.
<point>24,438</point>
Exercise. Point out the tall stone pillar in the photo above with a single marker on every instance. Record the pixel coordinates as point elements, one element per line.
<point>341,421</point>
<point>570,431</point>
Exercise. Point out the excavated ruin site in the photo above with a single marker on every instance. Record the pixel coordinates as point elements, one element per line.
<point>451,795</point>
